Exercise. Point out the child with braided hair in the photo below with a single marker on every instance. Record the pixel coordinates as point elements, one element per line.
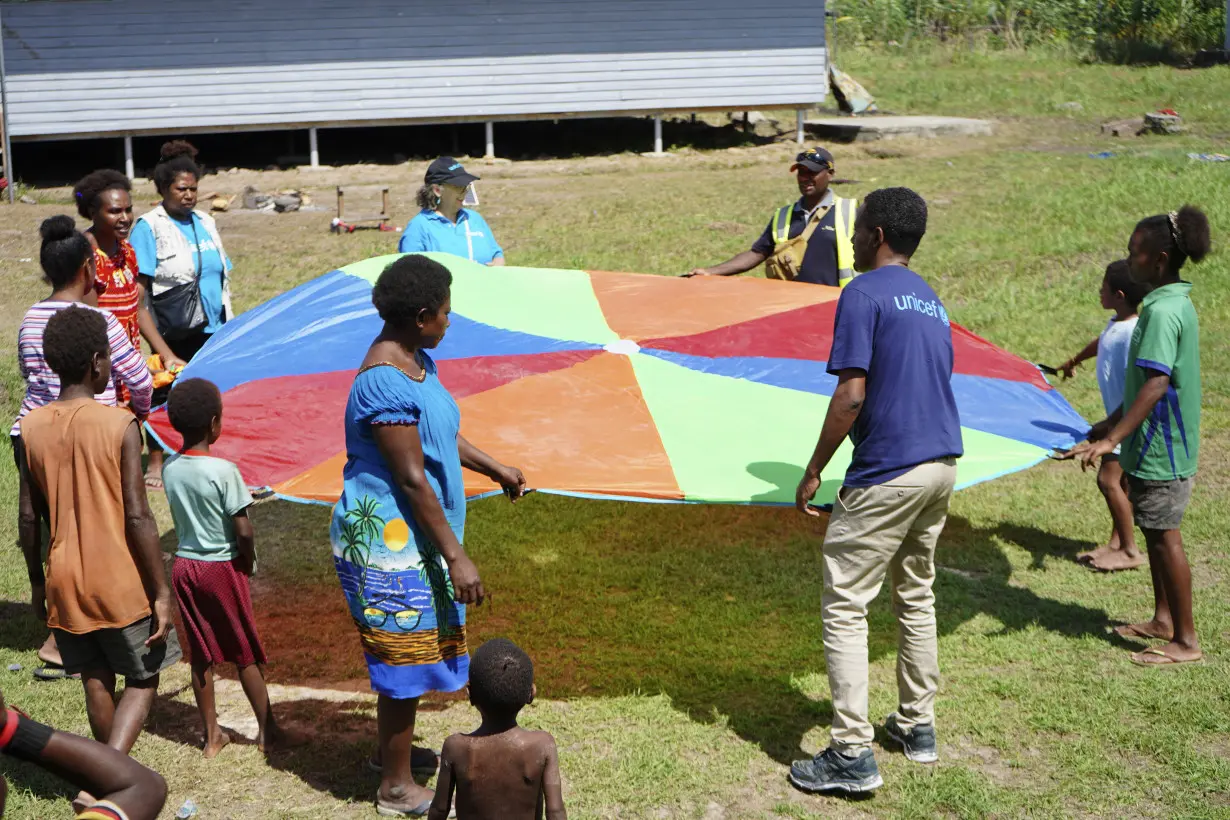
<point>1159,424</point>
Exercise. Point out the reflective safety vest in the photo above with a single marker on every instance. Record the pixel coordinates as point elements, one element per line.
<point>843,225</point>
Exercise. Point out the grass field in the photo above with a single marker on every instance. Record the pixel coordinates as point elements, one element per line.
<point>678,648</point>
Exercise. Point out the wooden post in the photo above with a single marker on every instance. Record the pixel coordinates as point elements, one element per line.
<point>341,202</point>
<point>313,148</point>
<point>490,153</point>
<point>384,201</point>
<point>4,126</point>
<point>129,168</point>
<point>800,132</point>
<point>657,133</point>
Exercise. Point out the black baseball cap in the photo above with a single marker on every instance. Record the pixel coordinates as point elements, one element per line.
<point>448,171</point>
<point>813,159</point>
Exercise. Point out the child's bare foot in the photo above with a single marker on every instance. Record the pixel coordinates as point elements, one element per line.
<point>411,801</point>
<point>1149,630</point>
<point>1117,561</point>
<point>1093,555</point>
<point>280,738</point>
<point>83,801</point>
<point>49,653</point>
<point>1169,655</point>
<point>215,745</point>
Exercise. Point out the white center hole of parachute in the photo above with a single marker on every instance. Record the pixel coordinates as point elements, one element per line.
<point>623,347</point>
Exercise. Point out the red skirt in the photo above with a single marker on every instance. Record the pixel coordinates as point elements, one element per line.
<point>215,604</point>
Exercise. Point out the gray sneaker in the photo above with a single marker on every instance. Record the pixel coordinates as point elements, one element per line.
<point>918,742</point>
<point>831,771</point>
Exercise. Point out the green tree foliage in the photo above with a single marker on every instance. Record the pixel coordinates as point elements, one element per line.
<point>1117,29</point>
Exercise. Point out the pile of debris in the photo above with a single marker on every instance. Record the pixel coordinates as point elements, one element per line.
<point>1163,121</point>
<point>254,200</point>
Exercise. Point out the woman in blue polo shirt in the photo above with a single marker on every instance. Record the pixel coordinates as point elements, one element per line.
<point>443,225</point>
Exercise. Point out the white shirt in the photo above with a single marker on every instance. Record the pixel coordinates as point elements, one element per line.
<point>1113,346</point>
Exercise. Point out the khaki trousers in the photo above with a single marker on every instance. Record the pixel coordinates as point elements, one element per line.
<point>874,530</point>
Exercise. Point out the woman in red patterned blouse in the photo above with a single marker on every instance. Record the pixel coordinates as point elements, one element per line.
<point>104,198</point>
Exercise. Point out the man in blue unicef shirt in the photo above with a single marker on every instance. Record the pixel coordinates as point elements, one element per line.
<point>892,355</point>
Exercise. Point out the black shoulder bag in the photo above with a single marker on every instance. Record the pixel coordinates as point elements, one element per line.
<point>178,311</point>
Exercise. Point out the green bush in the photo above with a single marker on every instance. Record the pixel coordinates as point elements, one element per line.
<point>1119,29</point>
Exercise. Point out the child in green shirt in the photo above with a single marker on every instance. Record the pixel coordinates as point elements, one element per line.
<point>209,504</point>
<point>1159,424</point>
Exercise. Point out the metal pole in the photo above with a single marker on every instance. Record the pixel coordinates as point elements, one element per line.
<point>313,148</point>
<point>800,135</point>
<point>657,133</point>
<point>490,154</point>
<point>129,168</point>
<point>8,144</point>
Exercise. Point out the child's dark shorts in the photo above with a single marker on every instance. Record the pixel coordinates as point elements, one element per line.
<point>1159,505</point>
<point>123,651</point>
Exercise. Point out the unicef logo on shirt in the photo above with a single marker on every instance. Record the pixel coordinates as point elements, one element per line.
<point>931,307</point>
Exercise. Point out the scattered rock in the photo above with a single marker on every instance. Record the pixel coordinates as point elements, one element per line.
<point>14,667</point>
<point>26,199</point>
<point>1070,106</point>
<point>1163,122</point>
<point>253,199</point>
<point>287,202</point>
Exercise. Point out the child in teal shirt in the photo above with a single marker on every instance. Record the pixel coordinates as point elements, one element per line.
<point>209,503</point>
<point>1159,424</point>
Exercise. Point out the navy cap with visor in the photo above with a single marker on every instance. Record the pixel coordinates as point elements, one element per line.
<point>813,159</point>
<point>448,171</point>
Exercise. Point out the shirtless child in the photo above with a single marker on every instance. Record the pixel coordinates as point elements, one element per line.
<point>500,771</point>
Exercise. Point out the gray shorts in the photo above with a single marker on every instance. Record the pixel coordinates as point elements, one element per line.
<point>1159,505</point>
<point>123,651</point>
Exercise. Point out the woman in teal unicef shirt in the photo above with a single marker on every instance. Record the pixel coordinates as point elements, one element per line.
<point>443,225</point>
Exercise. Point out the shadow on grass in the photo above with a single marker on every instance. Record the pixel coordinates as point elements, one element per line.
<point>43,785</point>
<point>716,607</point>
<point>1041,544</point>
<point>19,629</point>
<point>334,761</point>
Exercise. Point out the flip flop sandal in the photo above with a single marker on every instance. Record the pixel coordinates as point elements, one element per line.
<point>1138,658</point>
<point>50,673</point>
<point>387,810</point>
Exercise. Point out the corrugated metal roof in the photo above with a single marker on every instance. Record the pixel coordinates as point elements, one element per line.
<point>93,67</point>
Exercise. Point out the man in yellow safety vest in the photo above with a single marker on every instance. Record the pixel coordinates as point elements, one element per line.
<point>810,240</point>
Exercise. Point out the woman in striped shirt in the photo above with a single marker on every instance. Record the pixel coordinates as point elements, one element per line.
<point>68,262</point>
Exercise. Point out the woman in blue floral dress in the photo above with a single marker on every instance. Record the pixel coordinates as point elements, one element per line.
<point>398,528</point>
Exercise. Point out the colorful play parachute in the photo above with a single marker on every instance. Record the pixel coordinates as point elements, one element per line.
<point>612,385</point>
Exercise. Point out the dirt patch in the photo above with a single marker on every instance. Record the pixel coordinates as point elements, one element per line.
<point>1217,746</point>
<point>989,762</point>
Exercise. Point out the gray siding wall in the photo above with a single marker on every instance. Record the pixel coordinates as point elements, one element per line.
<point>95,67</point>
